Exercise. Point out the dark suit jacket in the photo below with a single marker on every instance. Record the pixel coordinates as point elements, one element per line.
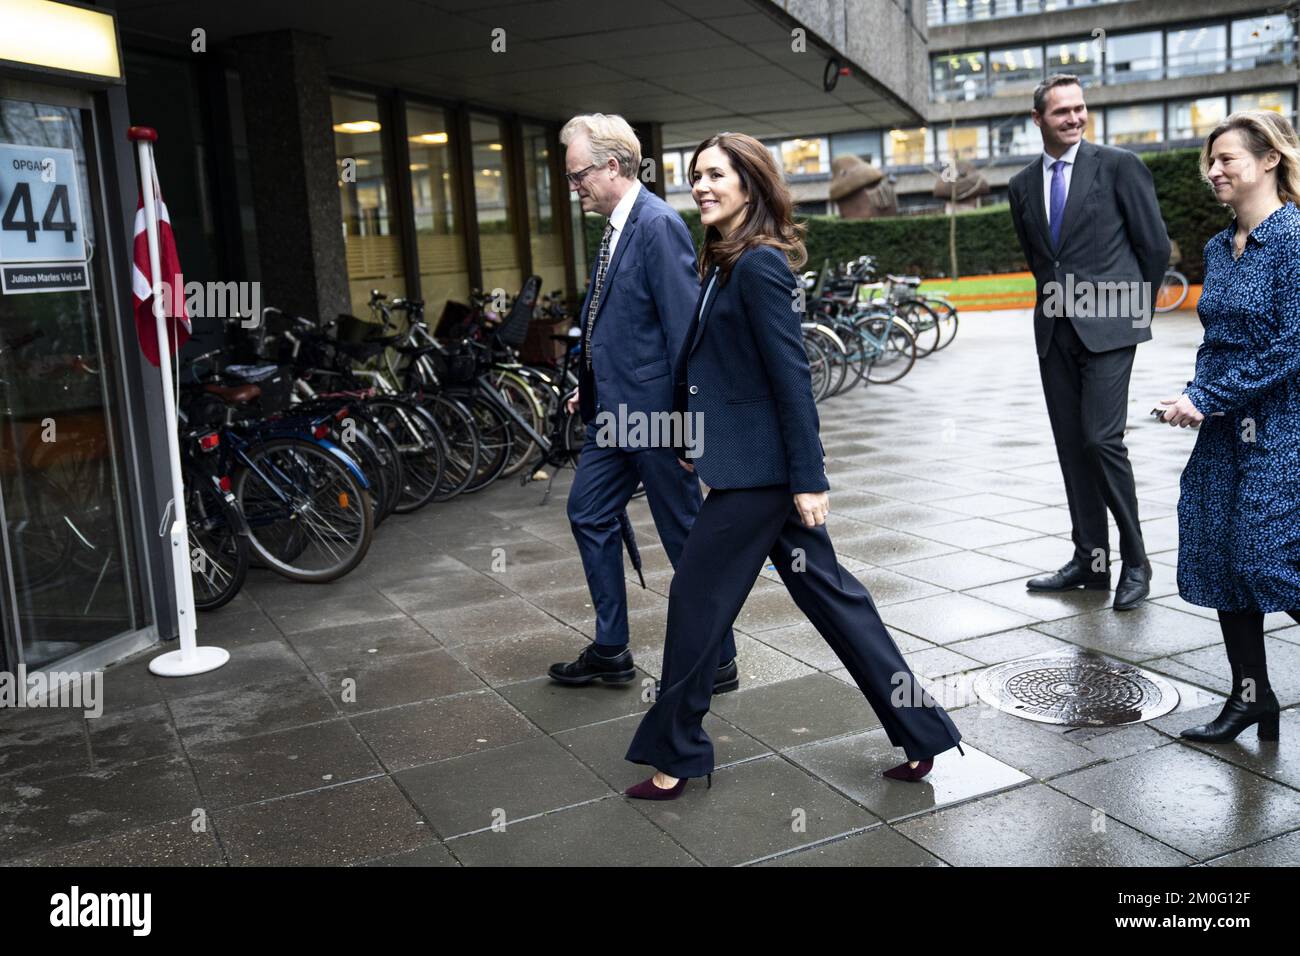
<point>644,311</point>
<point>1111,232</point>
<point>746,373</point>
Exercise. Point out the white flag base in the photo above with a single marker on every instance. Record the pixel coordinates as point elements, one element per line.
<point>199,661</point>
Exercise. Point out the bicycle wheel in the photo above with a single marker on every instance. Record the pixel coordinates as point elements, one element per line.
<point>519,395</point>
<point>309,518</point>
<point>362,449</point>
<point>494,443</point>
<point>418,441</point>
<point>894,346</point>
<point>819,367</point>
<point>836,356</point>
<point>860,353</point>
<point>947,313</point>
<point>1173,290</point>
<point>218,548</point>
<point>923,322</point>
<point>462,447</point>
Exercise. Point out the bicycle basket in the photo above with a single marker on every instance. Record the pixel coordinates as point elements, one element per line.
<point>275,381</point>
<point>454,368</point>
<point>353,329</point>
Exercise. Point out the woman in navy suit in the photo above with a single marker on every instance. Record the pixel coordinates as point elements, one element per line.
<point>743,374</point>
<point>1239,510</point>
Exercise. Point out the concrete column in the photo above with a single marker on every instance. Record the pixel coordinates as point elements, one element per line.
<point>289,122</point>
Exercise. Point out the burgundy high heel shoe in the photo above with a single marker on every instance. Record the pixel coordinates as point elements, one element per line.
<point>649,790</point>
<point>904,771</point>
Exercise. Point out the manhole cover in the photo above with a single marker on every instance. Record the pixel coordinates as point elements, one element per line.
<point>1078,688</point>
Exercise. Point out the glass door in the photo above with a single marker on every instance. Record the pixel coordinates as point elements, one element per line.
<point>69,577</point>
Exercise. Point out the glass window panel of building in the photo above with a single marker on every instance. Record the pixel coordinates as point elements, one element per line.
<point>1194,119</point>
<point>1279,101</point>
<point>544,236</point>
<point>1015,136</point>
<point>1080,57</point>
<point>959,76</point>
<point>968,141</point>
<point>1133,125</point>
<point>439,232</point>
<point>1015,71</point>
<point>805,156</point>
<point>907,147</point>
<point>1258,41</point>
<point>865,145</point>
<point>674,169</point>
<point>1196,50</point>
<point>1133,57</point>
<point>374,251</point>
<point>489,149</point>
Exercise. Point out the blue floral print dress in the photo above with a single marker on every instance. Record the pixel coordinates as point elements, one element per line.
<point>1239,510</point>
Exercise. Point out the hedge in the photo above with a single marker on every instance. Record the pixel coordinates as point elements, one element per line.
<point>986,240</point>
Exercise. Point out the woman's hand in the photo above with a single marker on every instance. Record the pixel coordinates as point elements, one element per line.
<point>688,465</point>
<point>813,507</point>
<point>1181,412</point>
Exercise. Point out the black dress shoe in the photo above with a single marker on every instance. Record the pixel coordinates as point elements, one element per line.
<point>591,666</point>
<point>1069,577</point>
<point>726,678</point>
<point>1134,584</point>
<point>1236,716</point>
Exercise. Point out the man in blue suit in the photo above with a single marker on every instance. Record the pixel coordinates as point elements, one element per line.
<point>635,316</point>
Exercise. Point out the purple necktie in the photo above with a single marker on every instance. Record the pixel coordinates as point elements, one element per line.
<point>1058,200</point>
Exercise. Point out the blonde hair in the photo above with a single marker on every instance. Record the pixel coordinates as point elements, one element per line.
<point>1262,131</point>
<point>607,135</point>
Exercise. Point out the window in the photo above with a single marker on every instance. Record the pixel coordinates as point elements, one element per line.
<point>865,145</point>
<point>906,147</point>
<point>1015,71</point>
<point>1193,119</point>
<point>804,156</point>
<point>543,230</point>
<point>1016,136</point>
<point>374,251</point>
<point>959,76</point>
<point>1130,125</point>
<point>1197,50</point>
<point>439,233</point>
<point>1133,57</point>
<point>674,170</point>
<point>1095,131</point>
<point>1262,40</point>
<point>967,141</point>
<point>1279,101</point>
<point>1081,57</point>
<point>489,147</point>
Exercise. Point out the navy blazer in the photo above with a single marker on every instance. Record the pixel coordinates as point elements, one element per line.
<point>644,312</point>
<point>746,372</point>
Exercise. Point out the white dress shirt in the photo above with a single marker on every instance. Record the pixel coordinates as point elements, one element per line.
<point>1048,160</point>
<point>618,218</point>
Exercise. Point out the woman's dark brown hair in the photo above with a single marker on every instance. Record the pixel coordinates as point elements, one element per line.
<point>769,218</point>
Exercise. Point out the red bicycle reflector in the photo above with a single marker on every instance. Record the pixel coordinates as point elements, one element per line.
<point>209,441</point>
<point>341,414</point>
<point>224,484</point>
<point>321,431</point>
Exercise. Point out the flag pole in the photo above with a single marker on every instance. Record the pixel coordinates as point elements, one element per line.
<point>190,659</point>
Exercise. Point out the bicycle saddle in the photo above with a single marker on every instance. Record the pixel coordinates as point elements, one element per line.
<point>234,394</point>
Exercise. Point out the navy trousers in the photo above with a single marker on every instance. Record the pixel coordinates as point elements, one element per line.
<point>735,532</point>
<point>602,487</point>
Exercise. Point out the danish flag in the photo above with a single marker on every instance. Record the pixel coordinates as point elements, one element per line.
<point>169,268</point>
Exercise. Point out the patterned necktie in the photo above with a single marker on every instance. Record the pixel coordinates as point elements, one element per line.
<point>602,263</point>
<point>1058,200</point>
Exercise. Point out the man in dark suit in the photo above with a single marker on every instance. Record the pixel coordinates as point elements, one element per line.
<point>1091,230</point>
<point>634,318</point>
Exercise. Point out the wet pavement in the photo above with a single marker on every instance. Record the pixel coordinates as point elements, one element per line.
<point>401,716</point>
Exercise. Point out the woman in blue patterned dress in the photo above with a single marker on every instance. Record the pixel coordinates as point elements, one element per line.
<point>1239,511</point>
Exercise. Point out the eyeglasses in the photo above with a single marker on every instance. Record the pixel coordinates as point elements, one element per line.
<point>575,179</point>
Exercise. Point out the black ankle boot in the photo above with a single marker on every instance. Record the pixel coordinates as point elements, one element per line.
<point>1236,716</point>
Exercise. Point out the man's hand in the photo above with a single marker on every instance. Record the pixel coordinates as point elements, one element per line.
<point>1181,412</point>
<point>688,465</point>
<point>813,507</point>
<point>571,403</point>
